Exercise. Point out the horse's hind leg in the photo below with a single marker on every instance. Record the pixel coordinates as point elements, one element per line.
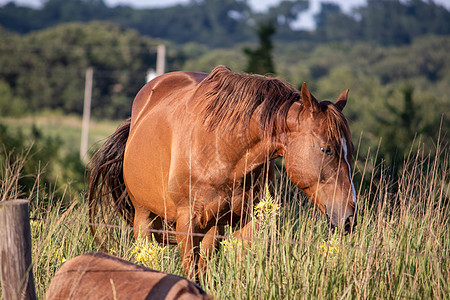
<point>147,224</point>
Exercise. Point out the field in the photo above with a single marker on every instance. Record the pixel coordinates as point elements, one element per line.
<point>400,248</point>
<point>66,128</point>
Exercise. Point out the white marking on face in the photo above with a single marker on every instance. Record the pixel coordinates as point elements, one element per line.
<point>344,147</point>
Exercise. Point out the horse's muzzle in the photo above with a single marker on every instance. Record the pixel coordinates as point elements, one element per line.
<point>348,226</point>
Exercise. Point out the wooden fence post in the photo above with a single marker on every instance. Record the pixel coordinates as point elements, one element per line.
<point>15,251</point>
<point>86,114</point>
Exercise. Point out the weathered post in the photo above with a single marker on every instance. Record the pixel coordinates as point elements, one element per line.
<point>86,113</point>
<point>161,59</point>
<point>15,251</point>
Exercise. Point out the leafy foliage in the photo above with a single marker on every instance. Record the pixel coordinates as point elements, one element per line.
<point>47,68</point>
<point>376,77</point>
<point>260,59</point>
<point>219,23</point>
<point>202,21</point>
<point>395,22</point>
<point>46,166</point>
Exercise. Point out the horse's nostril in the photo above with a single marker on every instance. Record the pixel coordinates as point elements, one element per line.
<point>349,224</point>
<point>332,228</point>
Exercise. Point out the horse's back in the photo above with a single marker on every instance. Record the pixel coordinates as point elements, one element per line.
<point>101,276</point>
<point>164,89</point>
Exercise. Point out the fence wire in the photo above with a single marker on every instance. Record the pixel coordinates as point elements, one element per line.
<point>253,239</point>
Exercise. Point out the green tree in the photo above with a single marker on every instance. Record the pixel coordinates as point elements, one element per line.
<point>220,23</point>
<point>400,128</point>
<point>19,19</point>
<point>46,166</point>
<point>61,11</point>
<point>260,59</point>
<point>10,104</point>
<point>47,68</point>
<point>232,58</point>
<point>334,25</point>
<point>398,22</point>
<point>211,22</point>
<point>284,14</point>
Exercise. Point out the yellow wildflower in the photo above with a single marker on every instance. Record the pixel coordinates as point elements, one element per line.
<point>148,253</point>
<point>267,207</point>
<point>330,248</point>
<point>327,249</point>
<point>230,244</point>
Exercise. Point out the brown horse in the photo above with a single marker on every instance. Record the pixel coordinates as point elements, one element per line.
<point>197,150</point>
<point>101,276</point>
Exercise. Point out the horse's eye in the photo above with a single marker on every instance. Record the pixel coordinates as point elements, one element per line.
<point>327,150</point>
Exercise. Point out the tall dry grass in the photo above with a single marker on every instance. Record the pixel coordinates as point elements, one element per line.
<point>400,248</point>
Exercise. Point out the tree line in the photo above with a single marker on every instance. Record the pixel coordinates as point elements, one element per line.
<point>46,69</point>
<point>219,23</point>
<point>398,83</point>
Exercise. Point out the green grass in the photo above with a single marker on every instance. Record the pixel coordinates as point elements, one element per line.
<point>67,128</point>
<point>400,248</point>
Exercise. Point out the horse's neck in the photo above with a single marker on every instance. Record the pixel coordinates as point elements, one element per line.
<point>253,148</point>
<point>261,147</point>
<point>256,151</point>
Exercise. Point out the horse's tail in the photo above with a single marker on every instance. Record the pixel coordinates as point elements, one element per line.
<point>106,183</point>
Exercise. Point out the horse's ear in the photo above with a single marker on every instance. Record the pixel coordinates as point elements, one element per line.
<point>309,101</point>
<point>342,100</point>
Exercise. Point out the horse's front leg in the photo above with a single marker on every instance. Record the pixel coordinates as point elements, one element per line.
<point>243,203</point>
<point>209,244</point>
<point>200,224</point>
<point>189,241</point>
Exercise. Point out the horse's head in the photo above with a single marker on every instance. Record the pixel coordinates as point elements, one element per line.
<point>318,152</point>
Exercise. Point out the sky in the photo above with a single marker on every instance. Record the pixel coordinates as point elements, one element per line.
<point>306,20</point>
